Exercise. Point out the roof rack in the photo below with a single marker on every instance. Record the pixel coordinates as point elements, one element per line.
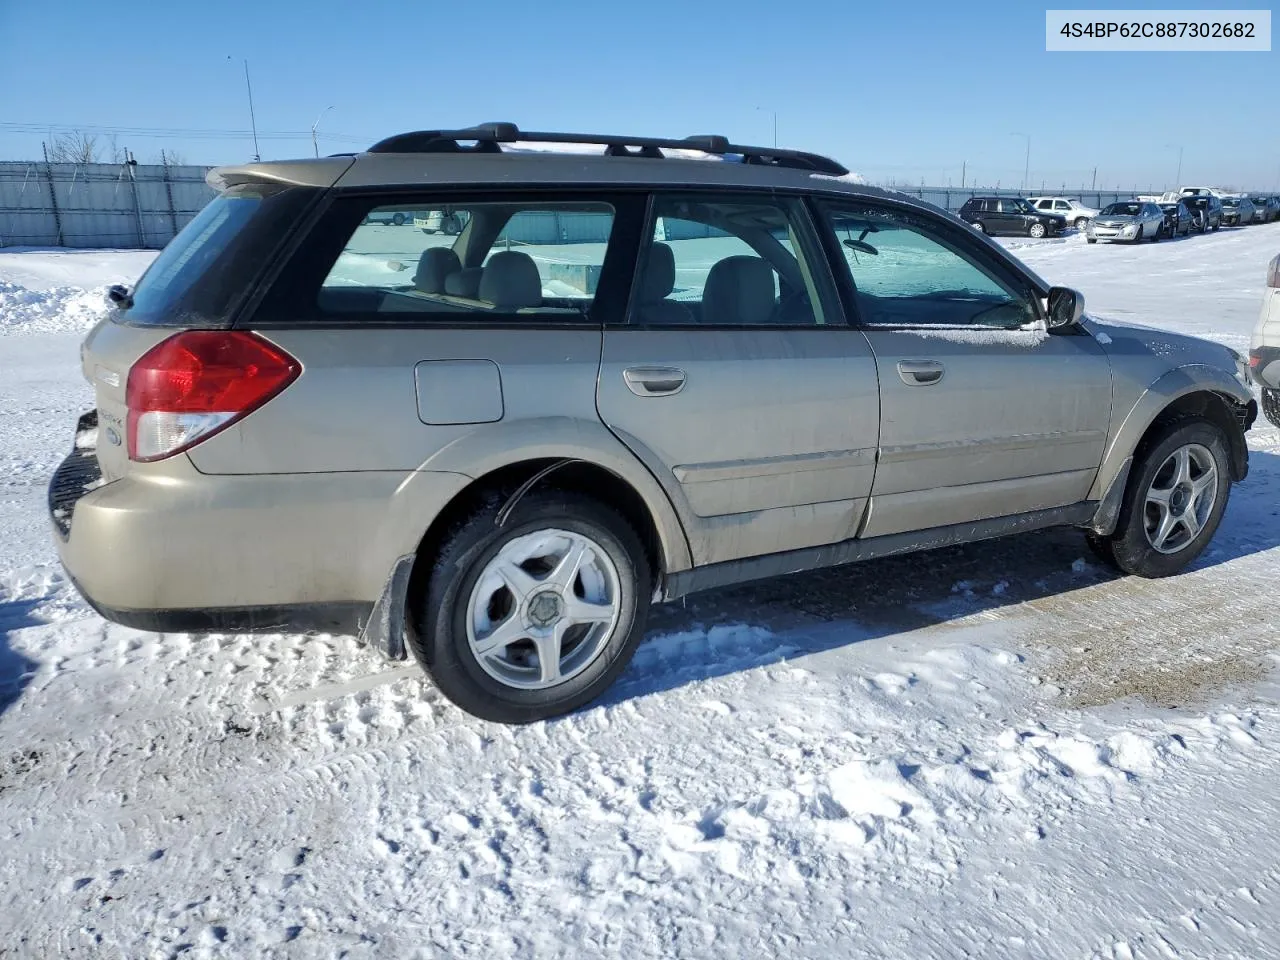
<point>486,137</point>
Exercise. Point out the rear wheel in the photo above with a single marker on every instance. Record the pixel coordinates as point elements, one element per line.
<point>534,618</point>
<point>1175,499</point>
<point>398,219</point>
<point>1036,230</point>
<point>1271,405</point>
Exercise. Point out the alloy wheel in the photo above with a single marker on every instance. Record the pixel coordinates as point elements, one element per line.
<point>1180,498</point>
<point>543,609</point>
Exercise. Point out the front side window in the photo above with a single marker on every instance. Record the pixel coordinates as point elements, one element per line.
<point>478,259</point>
<point>906,271</point>
<point>1062,205</point>
<point>728,261</point>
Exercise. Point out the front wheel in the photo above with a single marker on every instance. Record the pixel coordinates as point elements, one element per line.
<point>537,617</point>
<point>1175,499</point>
<point>977,225</point>
<point>1081,222</point>
<point>1158,235</point>
<point>1036,230</point>
<point>1215,227</point>
<point>1138,238</point>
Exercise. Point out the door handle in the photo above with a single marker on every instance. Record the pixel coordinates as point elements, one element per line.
<point>920,373</point>
<point>654,381</point>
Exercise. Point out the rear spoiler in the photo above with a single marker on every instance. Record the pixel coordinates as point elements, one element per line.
<point>321,173</point>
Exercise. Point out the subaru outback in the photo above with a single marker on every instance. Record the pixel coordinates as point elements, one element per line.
<point>672,366</point>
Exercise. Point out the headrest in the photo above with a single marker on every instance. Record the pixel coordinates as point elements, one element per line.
<point>739,290</point>
<point>435,264</point>
<point>659,277</point>
<point>510,281</point>
<point>464,283</point>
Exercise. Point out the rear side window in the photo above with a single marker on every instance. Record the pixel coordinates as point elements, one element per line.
<point>718,260</point>
<point>478,259</point>
<point>211,264</point>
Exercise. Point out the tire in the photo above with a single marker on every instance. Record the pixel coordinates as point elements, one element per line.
<point>1158,469</point>
<point>977,225</point>
<point>465,588</point>
<point>1138,238</point>
<point>1090,240</point>
<point>1081,223</point>
<point>1271,405</point>
<point>1036,230</point>
<point>1215,227</point>
<point>1159,235</point>
<point>398,219</point>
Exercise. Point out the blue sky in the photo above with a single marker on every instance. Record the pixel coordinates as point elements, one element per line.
<point>903,91</point>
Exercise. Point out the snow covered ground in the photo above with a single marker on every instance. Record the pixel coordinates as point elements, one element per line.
<point>997,750</point>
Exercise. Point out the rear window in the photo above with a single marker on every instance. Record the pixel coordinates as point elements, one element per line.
<point>211,264</point>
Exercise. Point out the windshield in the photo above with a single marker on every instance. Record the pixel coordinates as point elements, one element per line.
<point>1123,210</point>
<point>1231,202</point>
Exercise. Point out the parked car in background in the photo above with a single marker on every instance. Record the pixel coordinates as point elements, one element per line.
<point>1237,211</point>
<point>1131,220</point>
<point>1011,216</point>
<point>499,483</point>
<point>1075,212</point>
<point>1265,208</point>
<point>1202,192</point>
<point>1207,209</point>
<point>447,221</point>
<point>1178,221</point>
<point>1264,348</point>
<point>393,217</point>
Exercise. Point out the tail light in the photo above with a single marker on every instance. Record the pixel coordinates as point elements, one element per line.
<point>187,388</point>
<point>1273,272</point>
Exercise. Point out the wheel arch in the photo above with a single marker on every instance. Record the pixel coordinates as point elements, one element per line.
<point>1197,390</point>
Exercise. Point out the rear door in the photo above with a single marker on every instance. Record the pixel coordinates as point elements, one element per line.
<point>737,381</point>
<point>983,413</point>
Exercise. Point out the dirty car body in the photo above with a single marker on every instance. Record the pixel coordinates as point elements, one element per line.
<point>628,377</point>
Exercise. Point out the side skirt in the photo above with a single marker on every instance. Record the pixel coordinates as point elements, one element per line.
<point>734,572</point>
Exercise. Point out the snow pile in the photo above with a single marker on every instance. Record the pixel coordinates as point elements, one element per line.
<point>56,310</point>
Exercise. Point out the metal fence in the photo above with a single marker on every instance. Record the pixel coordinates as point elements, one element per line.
<point>144,206</point>
<point>97,204</point>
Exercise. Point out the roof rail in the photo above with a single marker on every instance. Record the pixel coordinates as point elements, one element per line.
<point>486,137</point>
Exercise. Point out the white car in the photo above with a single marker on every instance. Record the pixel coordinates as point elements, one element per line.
<point>1076,213</point>
<point>1264,349</point>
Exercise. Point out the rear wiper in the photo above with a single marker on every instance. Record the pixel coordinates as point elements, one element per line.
<point>120,296</point>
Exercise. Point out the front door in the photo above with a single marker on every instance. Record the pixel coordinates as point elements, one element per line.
<point>983,412</point>
<point>737,380</point>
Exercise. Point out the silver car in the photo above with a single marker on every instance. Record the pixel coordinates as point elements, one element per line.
<point>631,376</point>
<point>1129,220</point>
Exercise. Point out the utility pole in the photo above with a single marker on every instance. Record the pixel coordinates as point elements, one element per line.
<point>314,144</point>
<point>964,166</point>
<point>1026,169</point>
<point>1094,185</point>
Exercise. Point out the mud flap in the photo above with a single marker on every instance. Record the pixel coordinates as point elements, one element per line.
<point>388,621</point>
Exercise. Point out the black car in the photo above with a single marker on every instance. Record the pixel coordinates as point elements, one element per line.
<point>1010,215</point>
<point>1178,220</point>
<point>1207,210</point>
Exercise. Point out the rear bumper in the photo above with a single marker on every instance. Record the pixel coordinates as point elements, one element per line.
<point>169,548</point>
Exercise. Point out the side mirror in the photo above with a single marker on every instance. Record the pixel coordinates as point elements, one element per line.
<point>119,295</point>
<point>1066,307</point>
